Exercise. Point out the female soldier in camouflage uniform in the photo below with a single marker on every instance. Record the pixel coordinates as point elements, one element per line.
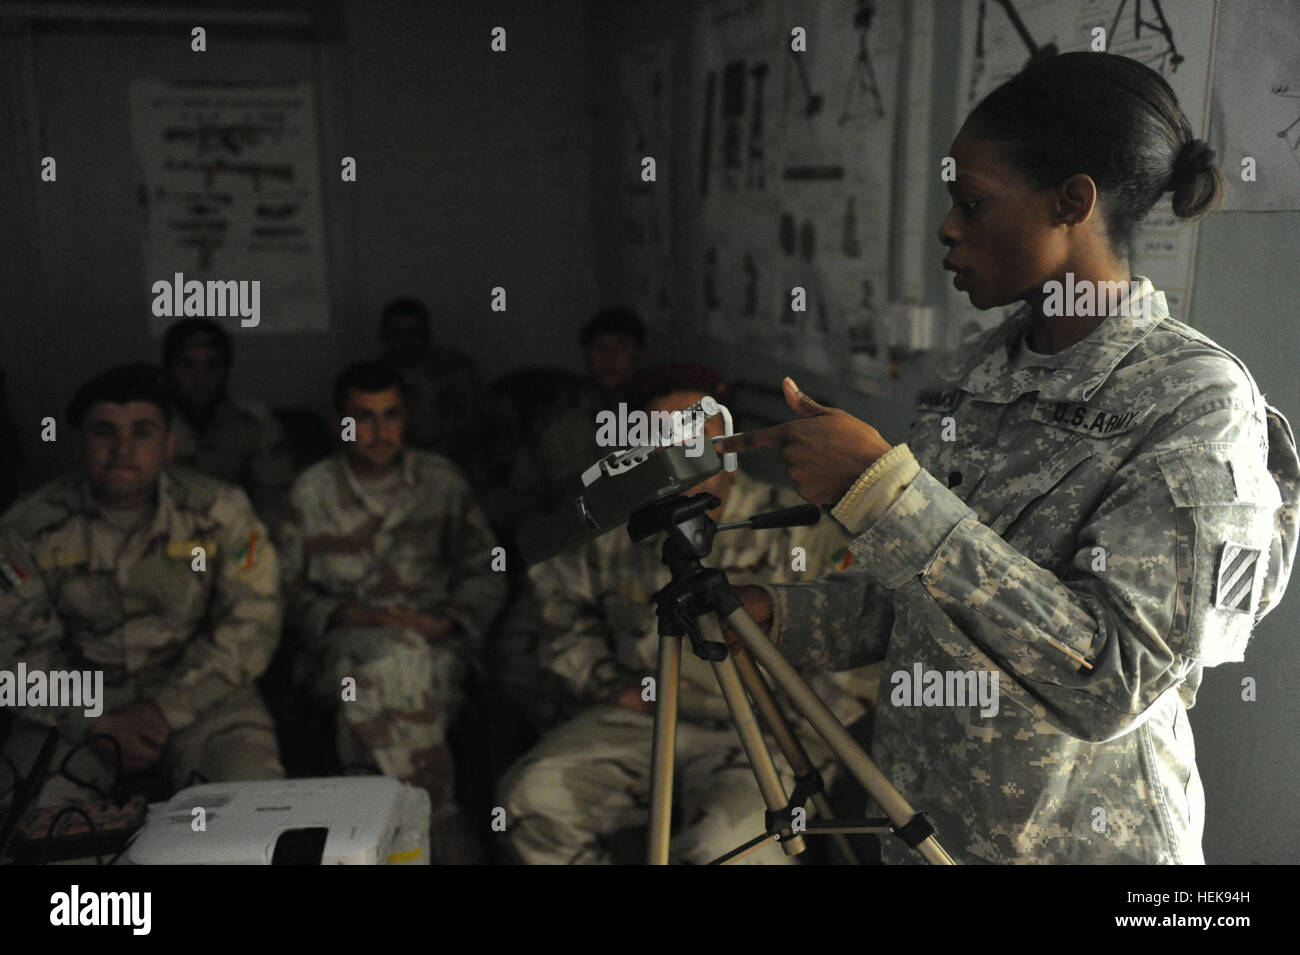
<point>1095,506</point>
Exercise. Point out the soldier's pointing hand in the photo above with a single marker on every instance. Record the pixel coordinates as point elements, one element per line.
<point>824,450</point>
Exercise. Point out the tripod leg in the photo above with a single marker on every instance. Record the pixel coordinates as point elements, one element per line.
<point>663,748</point>
<point>889,799</point>
<point>751,737</point>
<point>786,738</point>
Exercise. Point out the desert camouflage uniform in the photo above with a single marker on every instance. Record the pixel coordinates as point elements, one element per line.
<point>591,776</point>
<point>78,594</point>
<point>1115,498</point>
<point>545,475</point>
<point>430,552</point>
<point>548,462</point>
<point>243,443</point>
<point>451,412</point>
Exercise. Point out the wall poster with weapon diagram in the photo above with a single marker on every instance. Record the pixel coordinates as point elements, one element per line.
<point>645,89</point>
<point>229,188</point>
<point>839,108</point>
<point>1173,37</point>
<point>1255,103</point>
<point>735,184</point>
<point>794,180</point>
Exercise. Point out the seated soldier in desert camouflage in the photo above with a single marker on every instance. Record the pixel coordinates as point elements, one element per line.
<point>562,444</point>
<point>590,777</point>
<point>391,589</point>
<point>450,409</point>
<point>233,438</point>
<point>156,575</point>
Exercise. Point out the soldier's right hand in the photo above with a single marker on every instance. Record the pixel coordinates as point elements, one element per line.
<point>140,731</point>
<point>629,698</point>
<point>758,605</point>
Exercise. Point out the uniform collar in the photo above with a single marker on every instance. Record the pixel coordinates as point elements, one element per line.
<point>994,377</point>
<point>357,486</point>
<point>159,520</point>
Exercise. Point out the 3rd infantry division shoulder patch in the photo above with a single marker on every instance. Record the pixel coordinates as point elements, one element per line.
<point>1236,584</point>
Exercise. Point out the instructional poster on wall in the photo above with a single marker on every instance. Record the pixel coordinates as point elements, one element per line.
<point>737,180</point>
<point>1173,37</point>
<point>645,85</point>
<point>229,188</point>
<point>838,109</point>
<point>1255,104</point>
<point>795,137</point>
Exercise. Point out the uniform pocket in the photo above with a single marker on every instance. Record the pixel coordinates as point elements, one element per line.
<point>1217,474</point>
<point>1224,503</point>
<point>1048,477</point>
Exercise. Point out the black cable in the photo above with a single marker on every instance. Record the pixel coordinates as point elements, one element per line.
<point>54,824</point>
<point>117,777</point>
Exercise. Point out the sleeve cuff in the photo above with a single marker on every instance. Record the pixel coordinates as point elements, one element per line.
<point>900,543</point>
<point>606,677</point>
<point>877,489</point>
<point>176,713</point>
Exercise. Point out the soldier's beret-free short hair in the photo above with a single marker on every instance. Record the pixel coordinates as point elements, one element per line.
<point>138,381</point>
<point>614,321</point>
<point>368,376</point>
<point>189,332</point>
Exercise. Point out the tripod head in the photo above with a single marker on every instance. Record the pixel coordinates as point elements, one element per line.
<point>688,525</point>
<point>691,530</point>
<point>695,589</point>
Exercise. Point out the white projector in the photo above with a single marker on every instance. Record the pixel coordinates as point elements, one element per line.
<point>347,820</point>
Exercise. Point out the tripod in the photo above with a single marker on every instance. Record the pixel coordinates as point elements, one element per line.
<point>689,606</point>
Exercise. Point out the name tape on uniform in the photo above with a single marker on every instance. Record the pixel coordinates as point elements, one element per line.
<point>1088,419</point>
<point>931,400</point>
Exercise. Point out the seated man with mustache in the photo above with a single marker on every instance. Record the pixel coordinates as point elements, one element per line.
<point>391,590</point>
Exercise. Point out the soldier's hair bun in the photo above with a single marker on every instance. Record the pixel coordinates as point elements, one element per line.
<point>1196,182</point>
<point>1111,118</point>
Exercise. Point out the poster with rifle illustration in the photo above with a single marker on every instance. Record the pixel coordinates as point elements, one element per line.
<point>797,108</point>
